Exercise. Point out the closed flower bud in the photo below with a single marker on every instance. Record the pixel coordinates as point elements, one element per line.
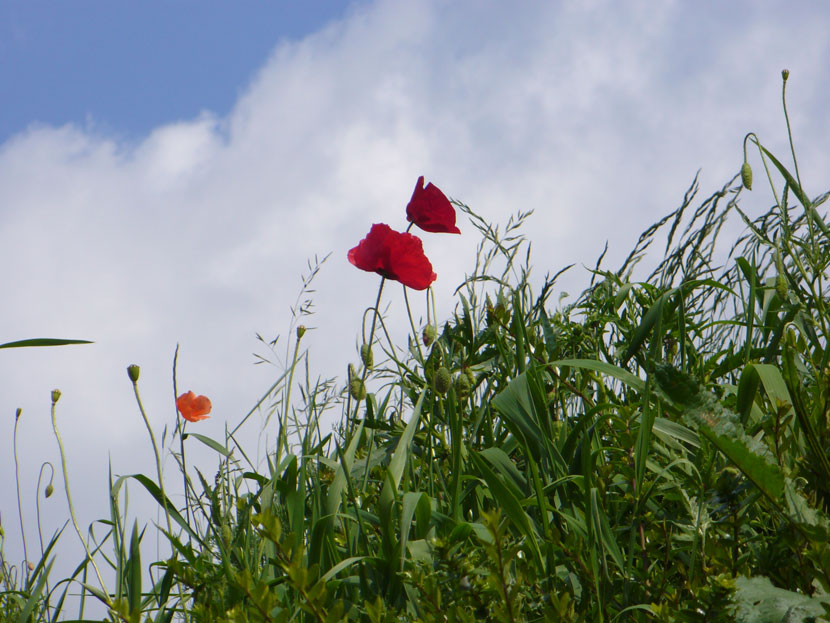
<point>785,73</point>
<point>56,395</point>
<point>462,386</point>
<point>49,490</point>
<point>430,333</point>
<point>746,176</point>
<point>442,381</point>
<point>18,413</point>
<point>781,286</point>
<point>366,356</point>
<point>133,371</point>
<point>300,332</point>
<point>226,534</point>
<point>357,389</point>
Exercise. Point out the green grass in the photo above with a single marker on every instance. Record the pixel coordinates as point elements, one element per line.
<point>655,451</point>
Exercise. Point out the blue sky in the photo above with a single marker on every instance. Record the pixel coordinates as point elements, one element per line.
<point>167,170</point>
<point>127,67</point>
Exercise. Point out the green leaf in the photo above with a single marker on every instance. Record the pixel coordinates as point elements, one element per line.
<point>43,341</point>
<point>758,601</point>
<point>134,572</point>
<point>411,501</point>
<point>764,475</point>
<point>210,443</point>
<point>626,377</point>
<point>394,472</point>
<point>163,501</point>
<point>508,502</point>
<point>34,597</point>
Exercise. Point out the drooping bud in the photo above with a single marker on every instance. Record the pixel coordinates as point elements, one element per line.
<point>49,490</point>
<point>442,380</point>
<point>133,371</point>
<point>56,395</point>
<point>746,175</point>
<point>356,387</point>
<point>429,335</point>
<point>300,332</point>
<point>366,356</point>
<point>227,535</point>
<point>781,286</point>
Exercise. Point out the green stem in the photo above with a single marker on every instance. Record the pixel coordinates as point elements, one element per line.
<point>156,454</point>
<point>55,396</point>
<point>17,483</point>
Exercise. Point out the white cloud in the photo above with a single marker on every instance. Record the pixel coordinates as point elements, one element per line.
<point>596,115</point>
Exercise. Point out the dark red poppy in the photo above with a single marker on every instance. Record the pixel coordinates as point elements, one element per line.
<point>395,256</point>
<point>430,210</point>
<point>192,407</point>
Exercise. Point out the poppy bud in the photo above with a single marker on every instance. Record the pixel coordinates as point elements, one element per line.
<point>133,371</point>
<point>56,395</point>
<point>226,534</point>
<point>785,73</point>
<point>300,332</point>
<point>49,490</point>
<point>746,176</point>
<point>781,286</point>
<point>442,381</point>
<point>462,386</point>
<point>357,389</point>
<point>366,356</point>
<point>429,335</point>
<point>18,413</point>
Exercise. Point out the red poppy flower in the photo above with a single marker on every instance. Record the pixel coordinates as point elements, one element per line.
<point>395,256</point>
<point>192,407</point>
<point>430,210</point>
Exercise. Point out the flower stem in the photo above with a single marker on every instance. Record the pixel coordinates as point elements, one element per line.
<point>156,454</point>
<point>17,483</point>
<point>55,396</point>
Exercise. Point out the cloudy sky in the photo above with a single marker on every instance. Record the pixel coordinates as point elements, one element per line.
<point>168,169</point>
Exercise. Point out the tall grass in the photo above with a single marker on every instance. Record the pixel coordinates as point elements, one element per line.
<point>655,451</point>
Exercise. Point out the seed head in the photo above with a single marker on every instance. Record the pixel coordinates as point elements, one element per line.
<point>463,386</point>
<point>133,371</point>
<point>442,381</point>
<point>56,395</point>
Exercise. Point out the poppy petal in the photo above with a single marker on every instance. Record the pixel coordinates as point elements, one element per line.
<point>192,407</point>
<point>395,255</point>
<point>430,209</point>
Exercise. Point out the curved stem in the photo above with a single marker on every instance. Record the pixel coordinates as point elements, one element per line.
<point>37,504</point>
<point>55,397</point>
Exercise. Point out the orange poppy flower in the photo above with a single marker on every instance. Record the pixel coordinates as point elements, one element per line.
<point>192,407</point>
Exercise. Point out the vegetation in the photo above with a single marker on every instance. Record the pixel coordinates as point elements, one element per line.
<point>657,450</point>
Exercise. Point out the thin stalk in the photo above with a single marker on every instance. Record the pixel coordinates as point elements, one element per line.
<point>17,485</point>
<point>47,493</point>
<point>56,394</point>
<point>281,439</point>
<point>180,429</point>
<point>155,453</point>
